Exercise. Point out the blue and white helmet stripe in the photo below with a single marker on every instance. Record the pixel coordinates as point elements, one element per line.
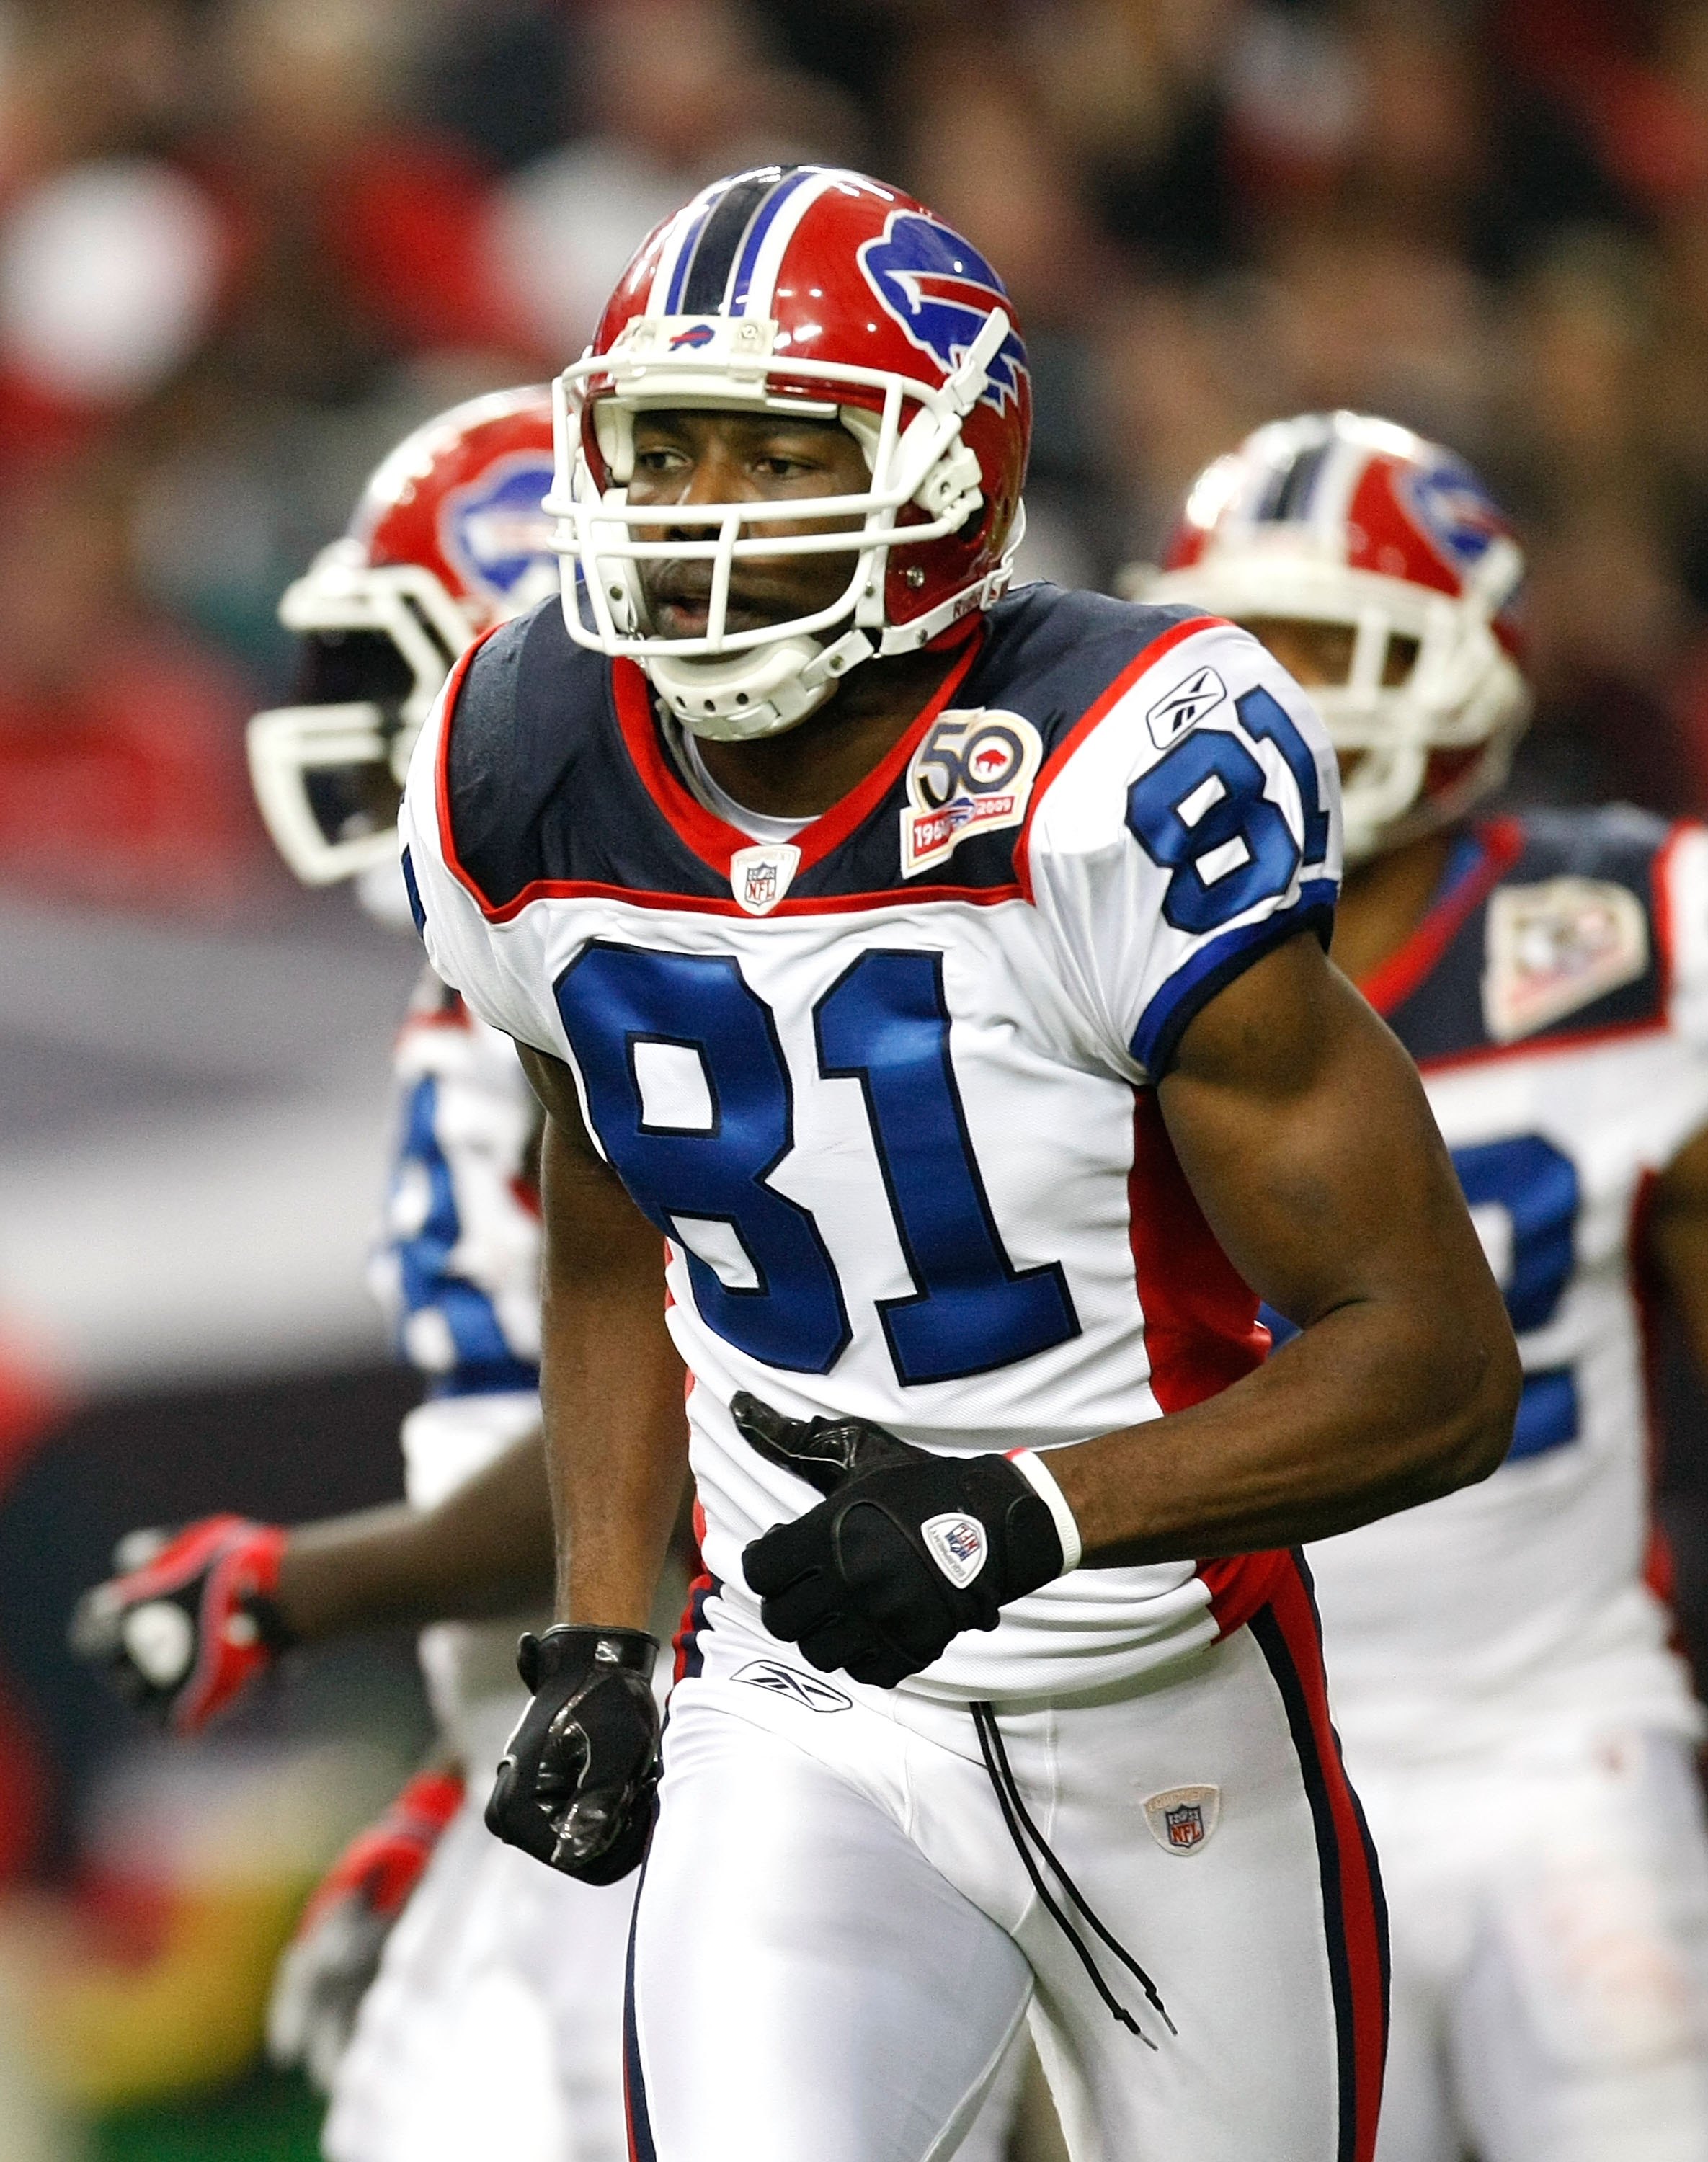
<point>726,246</point>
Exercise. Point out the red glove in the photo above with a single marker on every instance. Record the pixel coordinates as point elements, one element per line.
<point>187,1629</point>
<point>329,1962</point>
<point>382,1866</point>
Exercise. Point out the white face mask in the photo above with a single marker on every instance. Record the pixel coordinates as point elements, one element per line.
<point>734,685</point>
<point>1462,692</point>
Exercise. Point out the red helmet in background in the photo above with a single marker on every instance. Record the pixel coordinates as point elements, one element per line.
<point>808,290</point>
<point>448,539</point>
<point>1338,518</point>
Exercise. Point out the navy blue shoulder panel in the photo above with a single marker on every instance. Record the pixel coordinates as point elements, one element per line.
<point>1441,1017</point>
<point>1048,655</point>
<point>542,784</point>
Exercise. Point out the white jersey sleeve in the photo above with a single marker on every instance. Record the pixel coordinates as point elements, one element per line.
<point>1189,824</point>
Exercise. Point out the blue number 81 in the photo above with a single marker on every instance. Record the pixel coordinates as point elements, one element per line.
<point>1201,812</point>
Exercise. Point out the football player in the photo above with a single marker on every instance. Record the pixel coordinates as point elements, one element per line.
<point>1516,1721</point>
<point>496,2018</point>
<point>497,2013</point>
<point>943,974</point>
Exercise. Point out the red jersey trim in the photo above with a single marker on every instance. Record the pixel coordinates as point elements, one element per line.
<point>1392,982</point>
<point>1540,1046</point>
<point>710,839</point>
<point>1240,1585</point>
<point>1088,720</point>
<point>696,904</point>
<point>1646,1296</point>
<point>1201,1332</point>
<point>1662,899</point>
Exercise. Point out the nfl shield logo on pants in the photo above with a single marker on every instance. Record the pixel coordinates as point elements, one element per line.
<point>1183,1817</point>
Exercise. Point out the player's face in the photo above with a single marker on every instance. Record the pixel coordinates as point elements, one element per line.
<point>685,458</point>
<point>1319,653</point>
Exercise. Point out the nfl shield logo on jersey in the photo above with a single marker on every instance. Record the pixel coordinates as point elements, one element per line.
<point>1183,1817</point>
<point>758,877</point>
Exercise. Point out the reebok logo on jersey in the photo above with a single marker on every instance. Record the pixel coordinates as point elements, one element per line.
<point>1185,706</point>
<point>958,1546</point>
<point>806,1690</point>
<point>1556,947</point>
<point>1183,1817</point>
<point>973,774</point>
<point>759,877</point>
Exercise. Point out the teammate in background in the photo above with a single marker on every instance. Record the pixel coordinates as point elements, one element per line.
<point>943,976</point>
<point>495,2022</point>
<point>1514,1720</point>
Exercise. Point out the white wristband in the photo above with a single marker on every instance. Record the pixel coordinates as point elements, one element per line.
<point>1037,1474</point>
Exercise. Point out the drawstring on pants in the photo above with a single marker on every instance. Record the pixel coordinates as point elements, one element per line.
<point>1021,1830</point>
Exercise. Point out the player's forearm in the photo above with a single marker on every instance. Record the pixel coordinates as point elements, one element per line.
<point>485,1550</point>
<point>612,1385</point>
<point>1302,1130</point>
<point>617,1433</point>
<point>1373,1409</point>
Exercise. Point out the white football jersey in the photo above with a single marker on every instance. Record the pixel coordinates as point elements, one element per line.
<point>1556,997</point>
<point>885,1088</point>
<point>457,1268</point>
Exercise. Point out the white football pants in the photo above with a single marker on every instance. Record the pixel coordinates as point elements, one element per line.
<point>494,2026</point>
<point>837,1938</point>
<point>1550,1954</point>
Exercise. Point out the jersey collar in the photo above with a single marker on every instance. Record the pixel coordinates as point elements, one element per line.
<point>1480,859</point>
<point>713,840</point>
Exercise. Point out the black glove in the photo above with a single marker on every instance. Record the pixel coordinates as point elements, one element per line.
<point>578,1782</point>
<point>907,1550</point>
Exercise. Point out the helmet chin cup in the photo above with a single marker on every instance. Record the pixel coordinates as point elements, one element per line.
<point>762,691</point>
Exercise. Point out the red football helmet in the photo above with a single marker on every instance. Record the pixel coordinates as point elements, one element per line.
<point>1340,519</point>
<point>800,290</point>
<point>449,538</point>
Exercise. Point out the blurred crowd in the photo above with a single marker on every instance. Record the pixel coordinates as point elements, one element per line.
<point>244,243</point>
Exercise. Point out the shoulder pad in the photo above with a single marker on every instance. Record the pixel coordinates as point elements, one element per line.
<point>1054,653</point>
<point>527,702</point>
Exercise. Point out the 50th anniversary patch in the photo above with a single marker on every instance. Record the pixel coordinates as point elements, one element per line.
<point>973,774</point>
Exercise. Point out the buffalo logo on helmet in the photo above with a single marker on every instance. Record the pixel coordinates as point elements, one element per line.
<point>941,292</point>
<point>698,334</point>
<point>1454,508</point>
<point>494,530</point>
